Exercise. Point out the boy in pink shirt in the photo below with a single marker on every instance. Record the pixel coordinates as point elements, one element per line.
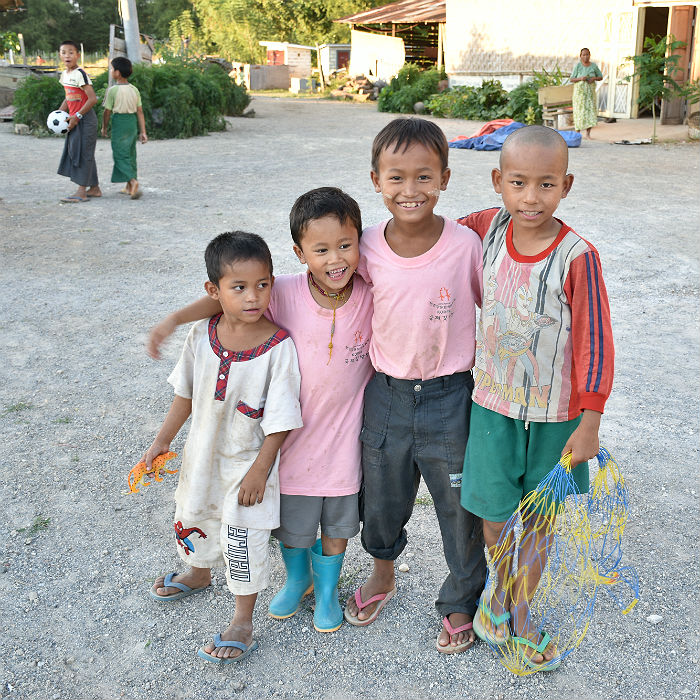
<point>425,275</point>
<point>327,311</point>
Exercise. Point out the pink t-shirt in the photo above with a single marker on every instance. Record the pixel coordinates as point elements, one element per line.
<point>323,457</point>
<point>424,323</point>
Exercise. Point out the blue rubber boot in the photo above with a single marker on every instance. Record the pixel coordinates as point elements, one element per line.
<point>328,615</point>
<point>299,583</point>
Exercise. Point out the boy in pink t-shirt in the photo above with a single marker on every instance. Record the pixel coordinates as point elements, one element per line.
<point>425,276</point>
<point>327,311</point>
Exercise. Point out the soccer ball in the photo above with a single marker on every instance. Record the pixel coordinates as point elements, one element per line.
<point>57,121</point>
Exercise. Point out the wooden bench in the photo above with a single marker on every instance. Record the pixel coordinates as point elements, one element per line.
<point>557,108</point>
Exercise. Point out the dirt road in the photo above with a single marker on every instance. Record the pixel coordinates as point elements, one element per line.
<point>81,285</point>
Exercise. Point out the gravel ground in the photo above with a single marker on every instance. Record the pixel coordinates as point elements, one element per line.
<point>81,401</point>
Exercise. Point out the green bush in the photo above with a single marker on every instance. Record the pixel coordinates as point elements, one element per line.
<point>478,103</point>
<point>523,100</point>
<point>179,99</point>
<point>411,85</point>
<point>34,98</point>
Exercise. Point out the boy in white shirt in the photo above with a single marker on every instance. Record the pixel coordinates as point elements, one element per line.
<point>238,377</point>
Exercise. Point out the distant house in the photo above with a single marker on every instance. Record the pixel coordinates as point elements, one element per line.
<point>510,40</point>
<point>384,38</point>
<point>333,57</point>
<point>295,56</point>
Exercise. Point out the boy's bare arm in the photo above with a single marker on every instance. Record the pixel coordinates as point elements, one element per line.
<point>143,137</point>
<point>202,308</point>
<point>583,442</point>
<point>253,485</point>
<point>177,415</point>
<point>105,121</point>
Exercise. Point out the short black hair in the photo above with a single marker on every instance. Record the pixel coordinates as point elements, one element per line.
<point>123,65</point>
<point>404,132</point>
<point>323,201</point>
<point>69,42</point>
<point>234,246</point>
<point>535,135</point>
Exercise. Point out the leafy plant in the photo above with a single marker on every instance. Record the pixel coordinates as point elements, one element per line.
<point>410,85</point>
<point>34,98</point>
<point>485,103</point>
<point>9,41</point>
<point>179,98</point>
<point>39,524</point>
<point>654,68</point>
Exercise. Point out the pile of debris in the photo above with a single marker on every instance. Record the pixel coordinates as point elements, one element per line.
<point>359,88</point>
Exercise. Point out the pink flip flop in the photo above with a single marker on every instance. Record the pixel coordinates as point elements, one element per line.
<point>384,598</point>
<point>448,648</point>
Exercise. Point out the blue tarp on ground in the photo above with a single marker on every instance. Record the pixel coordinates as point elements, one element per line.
<point>494,141</point>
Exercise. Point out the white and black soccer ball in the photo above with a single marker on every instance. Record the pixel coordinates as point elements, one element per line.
<point>57,121</point>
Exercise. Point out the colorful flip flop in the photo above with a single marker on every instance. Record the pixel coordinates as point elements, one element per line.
<point>185,590</point>
<point>448,648</point>
<point>496,621</point>
<point>521,642</point>
<point>384,598</point>
<point>232,659</point>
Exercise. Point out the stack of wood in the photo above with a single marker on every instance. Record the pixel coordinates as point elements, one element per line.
<point>358,88</point>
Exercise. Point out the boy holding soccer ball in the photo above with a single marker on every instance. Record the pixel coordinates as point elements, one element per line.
<point>78,159</point>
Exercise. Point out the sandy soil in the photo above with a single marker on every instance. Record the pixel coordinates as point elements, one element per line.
<point>81,285</point>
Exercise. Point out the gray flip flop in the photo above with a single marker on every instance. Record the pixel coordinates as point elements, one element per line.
<point>169,583</point>
<point>232,659</point>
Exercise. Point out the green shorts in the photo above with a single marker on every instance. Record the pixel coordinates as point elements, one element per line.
<point>505,460</point>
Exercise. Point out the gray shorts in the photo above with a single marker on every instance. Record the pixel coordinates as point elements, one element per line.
<point>300,517</point>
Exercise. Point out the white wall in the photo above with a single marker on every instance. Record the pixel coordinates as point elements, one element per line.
<point>376,55</point>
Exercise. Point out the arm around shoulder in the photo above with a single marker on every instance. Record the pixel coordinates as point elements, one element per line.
<point>202,308</point>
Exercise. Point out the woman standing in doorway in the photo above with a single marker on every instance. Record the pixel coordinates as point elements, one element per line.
<point>584,76</point>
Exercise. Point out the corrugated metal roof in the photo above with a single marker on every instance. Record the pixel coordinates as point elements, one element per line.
<point>9,5</point>
<point>403,12</point>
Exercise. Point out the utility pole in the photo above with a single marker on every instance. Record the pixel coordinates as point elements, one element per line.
<point>127,10</point>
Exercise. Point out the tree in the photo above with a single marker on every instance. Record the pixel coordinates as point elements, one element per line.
<point>235,28</point>
<point>654,68</point>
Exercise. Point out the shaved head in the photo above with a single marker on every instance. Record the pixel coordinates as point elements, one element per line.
<point>539,136</point>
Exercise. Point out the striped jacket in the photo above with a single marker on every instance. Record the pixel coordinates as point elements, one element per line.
<point>544,340</point>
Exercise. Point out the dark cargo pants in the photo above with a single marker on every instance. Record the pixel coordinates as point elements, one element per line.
<point>413,429</point>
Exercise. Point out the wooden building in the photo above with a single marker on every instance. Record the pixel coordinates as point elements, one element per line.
<point>384,38</point>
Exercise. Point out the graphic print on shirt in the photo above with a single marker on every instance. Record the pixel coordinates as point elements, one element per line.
<point>510,331</point>
<point>359,350</point>
<point>442,305</point>
<point>182,535</point>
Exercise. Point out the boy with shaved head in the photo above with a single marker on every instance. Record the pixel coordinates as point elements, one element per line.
<point>543,368</point>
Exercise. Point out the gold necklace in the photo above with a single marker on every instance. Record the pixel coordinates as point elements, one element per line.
<point>336,298</point>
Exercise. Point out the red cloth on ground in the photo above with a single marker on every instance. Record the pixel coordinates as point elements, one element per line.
<point>487,128</point>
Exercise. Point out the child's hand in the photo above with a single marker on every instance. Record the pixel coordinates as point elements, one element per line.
<point>252,488</point>
<point>143,138</point>
<point>104,132</point>
<point>583,443</point>
<point>157,448</point>
<point>158,334</point>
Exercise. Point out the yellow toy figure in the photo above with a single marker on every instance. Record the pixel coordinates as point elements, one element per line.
<point>137,474</point>
<point>554,552</point>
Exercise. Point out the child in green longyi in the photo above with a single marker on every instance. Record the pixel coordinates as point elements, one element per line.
<point>123,106</point>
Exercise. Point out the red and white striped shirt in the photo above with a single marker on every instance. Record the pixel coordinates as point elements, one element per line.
<point>544,341</point>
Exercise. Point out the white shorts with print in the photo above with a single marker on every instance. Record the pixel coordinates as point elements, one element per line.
<point>246,552</point>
